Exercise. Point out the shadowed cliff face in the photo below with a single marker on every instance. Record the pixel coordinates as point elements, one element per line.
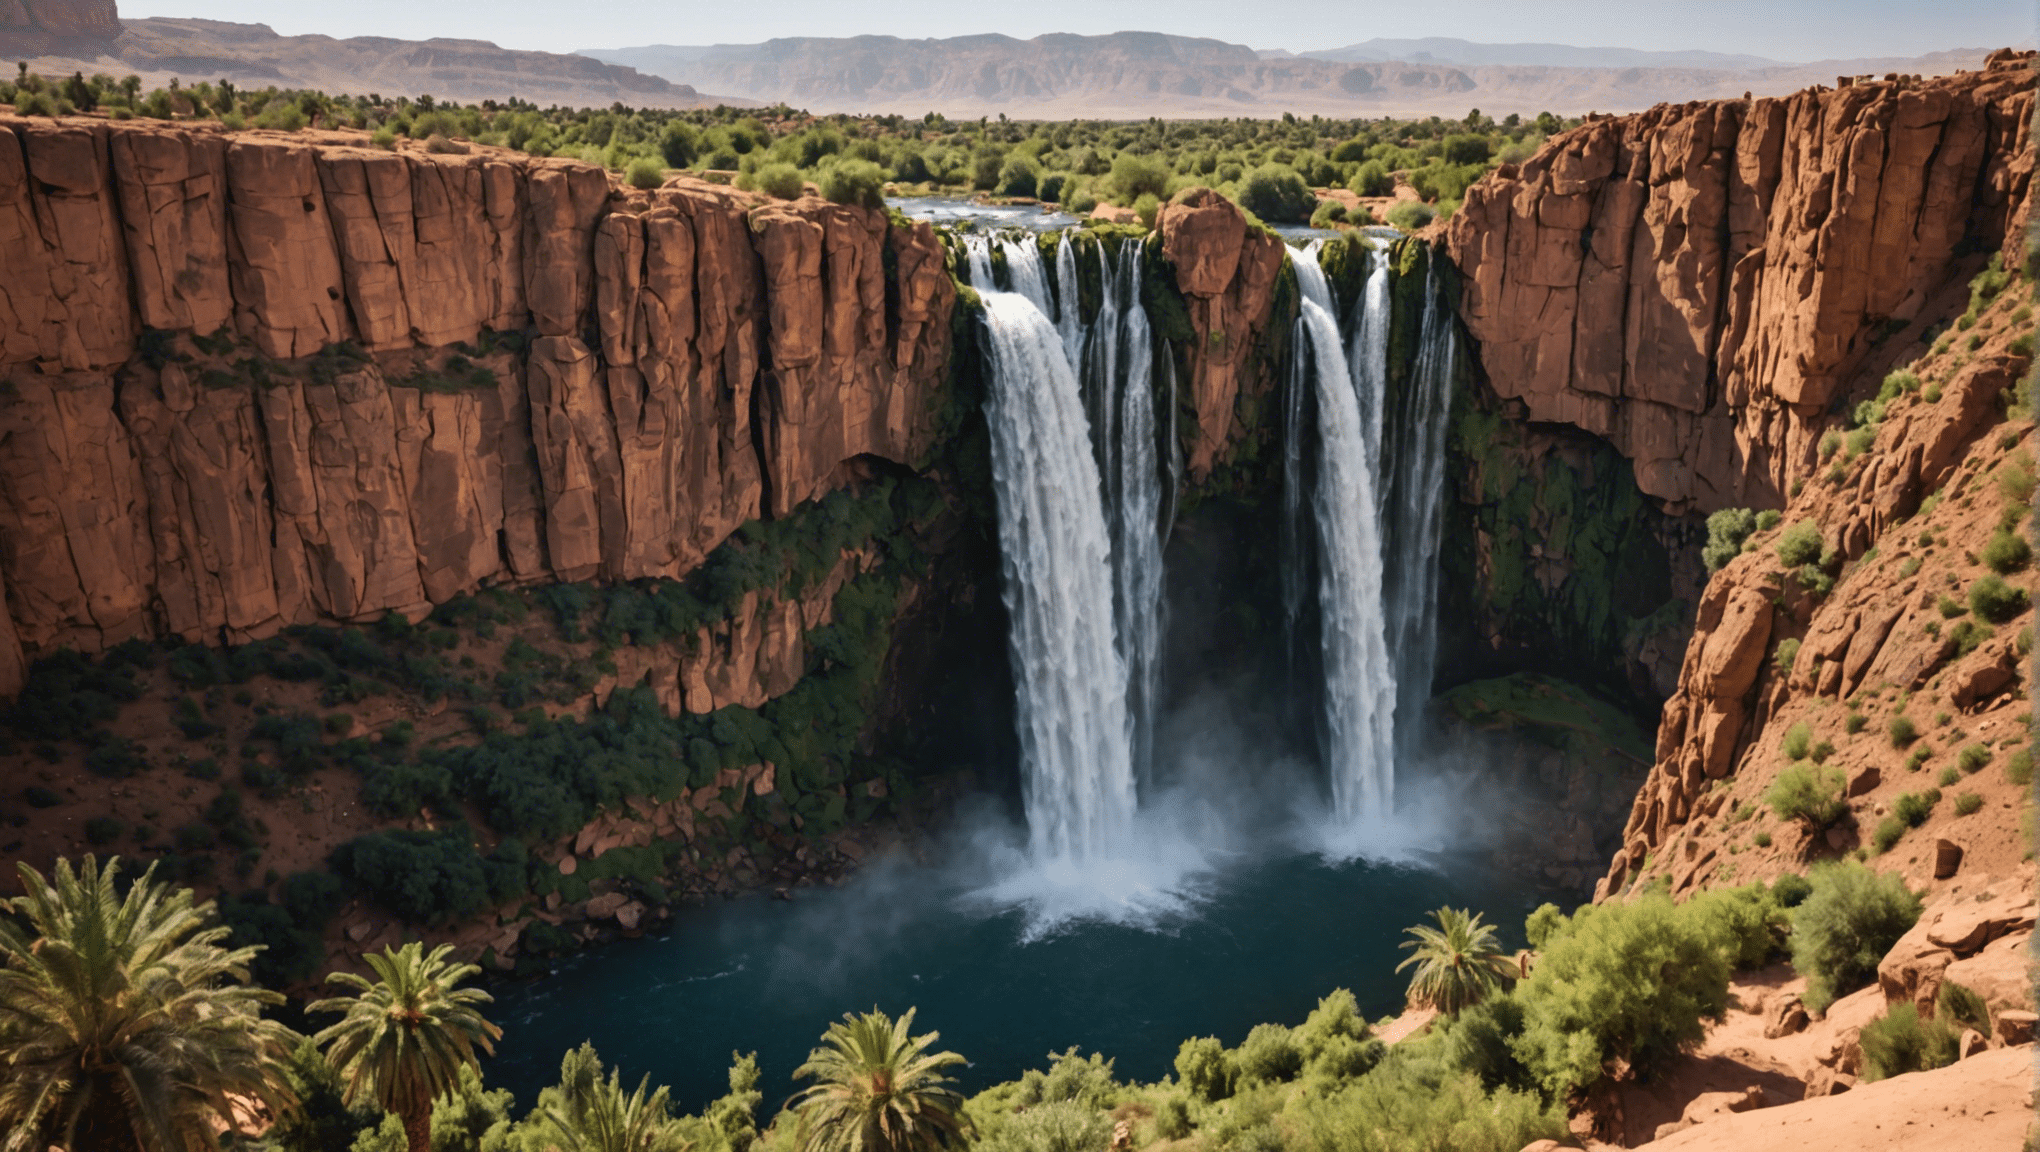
<point>230,406</point>
<point>1697,283</point>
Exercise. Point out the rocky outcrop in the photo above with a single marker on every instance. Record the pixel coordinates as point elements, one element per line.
<point>256,379</point>
<point>1696,283</point>
<point>31,27</point>
<point>1226,270</point>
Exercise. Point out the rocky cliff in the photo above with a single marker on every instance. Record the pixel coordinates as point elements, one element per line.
<point>1698,283</point>
<point>258,379</point>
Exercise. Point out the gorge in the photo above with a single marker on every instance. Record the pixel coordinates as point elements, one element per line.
<point>537,557</point>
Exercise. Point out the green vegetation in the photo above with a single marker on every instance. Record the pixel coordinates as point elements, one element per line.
<point>1996,601</point>
<point>1808,793</point>
<point>125,1012</point>
<point>2007,552</point>
<point>1962,1007</point>
<point>1973,757</point>
<point>1798,741</point>
<point>1799,544</point>
<point>1902,730</point>
<point>405,1038</point>
<point>877,1089</point>
<point>1845,926</point>
<point>1459,963</point>
<point>1726,531</point>
<point>1967,803</point>
<point>1900,1042</point>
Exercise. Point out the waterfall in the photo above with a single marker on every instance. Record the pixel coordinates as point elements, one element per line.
<point>1414,498</point>
<point>1134,495</point>
<point>1058,575</point>
<point>1359,677</point>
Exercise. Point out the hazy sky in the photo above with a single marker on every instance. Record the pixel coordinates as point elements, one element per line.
<point>1779,29</point>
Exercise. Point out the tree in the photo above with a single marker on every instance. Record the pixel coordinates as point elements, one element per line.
<point>123,1022</point>
<point>1458,963</point>
<point>405,1037</point>
<point>590,1114</point>
<point>877,1089</point>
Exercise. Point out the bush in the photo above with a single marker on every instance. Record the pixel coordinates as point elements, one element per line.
<point>780,181</point>
<point>1901,1042</point>
<point>1913,808</point>
<point>2007,552</point>
<point>1967,803</point>
<point>1902,730</point>
<point>1798,741</point>
<point>2019,767</point>
<point>1961,1007</point>
<point>1887,834</point>
<point>1791,890</point>
<point>1847,924</point>
<point>1148,209</point>
<point>1726,531</point>
<point>1542,924</point>
<point>1810,794</point>
<point>1269,1054</point>
<point>1629,980</point>
<point>1855,723</point>
<point>1275,193</point>
<point>1411,216</point>
<point>1132,176</point>
<point>1948,777</point>
<point>1746,923</point>
<point>856,182</point>
<point>1973,757</point>
<point>103,830</point>
<point>1412,1105</point>
<point>1372,179</point>
<point>429,876</point>
<point>1203,1068</point>
<point>1996,601</point>
<point>1019,176</point>
<point>645,172</point>
<point>1800,544</point>
<point>1328,214</point>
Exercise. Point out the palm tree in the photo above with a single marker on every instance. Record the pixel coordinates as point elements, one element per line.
<point>877,1089</point>
<point>1458,963</point>
<point>589,1114</point>
<point>406,1036</point>
<point>124,1023</point>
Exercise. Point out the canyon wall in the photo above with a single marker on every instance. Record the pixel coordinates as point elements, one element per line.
<point>1696,283</point>
<point>256,379</point>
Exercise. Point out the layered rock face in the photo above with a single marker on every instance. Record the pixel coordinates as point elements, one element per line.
<point>1226,271</point>
<point>1696,283</point>
<point>86,18</point>
<point>256,379</point>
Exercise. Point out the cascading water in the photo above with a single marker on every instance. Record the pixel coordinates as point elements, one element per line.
<point>1359,679</point>
<point>1134,494</point>
<point>1414,495</point>
<point>1075,744</point>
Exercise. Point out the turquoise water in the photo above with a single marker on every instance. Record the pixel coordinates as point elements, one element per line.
<point>1257,940</point>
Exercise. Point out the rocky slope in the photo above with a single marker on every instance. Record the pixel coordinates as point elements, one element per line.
<point>1697,283</point>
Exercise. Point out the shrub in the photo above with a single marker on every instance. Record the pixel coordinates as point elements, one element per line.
<point>1147,209</point>
<point>1902,730</point>
<point>2007,552</point>
<point>780,181</point>
<point>1269,1054</point>
<point>2019,767</point>
<point>1948,776</point>
<point>1329,213</point>
<point>1172,1119</point>
<point>1901,1042</point>
<point>1411,216</point>
<point>1887,834</point>
<point>1542,924</point>
<point>1761,839</point>
<point>1407,1105</point>
<point>1913,808</point>
<point>1019,176</point>
<point>1967,803</point>
<point>1747,925</point>
<point>1855,723</point>
<point>1132,176</point>
<point>1275,193</point>
<point>1726,531</point>
<point>855,182</point>
<point>1973,757</point>
<point>1800,544</point>
<point>1830,442</point>
<point>1996,601</point>
<point>1961,1007</point>
<point>429,876</point>
<point>1851,919</point>
<point>1808,793</point>
<point>1631,980</point>
<point>2015,479</point>
<point>1949,607</point>
<point>103,830</point>
<point>645,172</point>
<point>1798,740</point>
<point>1203,1067</point>
<point>1791,890</point>
<point>1372,179</point>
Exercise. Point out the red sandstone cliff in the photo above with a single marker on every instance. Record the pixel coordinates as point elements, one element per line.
<point>697,357</point>
<point>1697,282</point>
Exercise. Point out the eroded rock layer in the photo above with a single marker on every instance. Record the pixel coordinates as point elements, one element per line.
<point>1696,283</point>
<point>258,379</point>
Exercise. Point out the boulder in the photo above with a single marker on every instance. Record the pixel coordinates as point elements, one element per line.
<point>1970,1043</point>
<point>2015,1026</point>
<point>606,905</point>
<point>1864,781</point>
<point>1828,1082</point>
<point>1965,926</point>
<point>1999,973</point>
<point>1783,1015</point>
<point>1734,652</point>
<point>1947,859</point>
<point>628,915</point>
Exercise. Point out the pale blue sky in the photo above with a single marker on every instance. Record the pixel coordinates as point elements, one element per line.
<point>1779,29</point>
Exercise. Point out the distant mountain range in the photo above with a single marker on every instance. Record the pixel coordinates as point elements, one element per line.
<point>254,55</point>
<point>1138,74</point>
